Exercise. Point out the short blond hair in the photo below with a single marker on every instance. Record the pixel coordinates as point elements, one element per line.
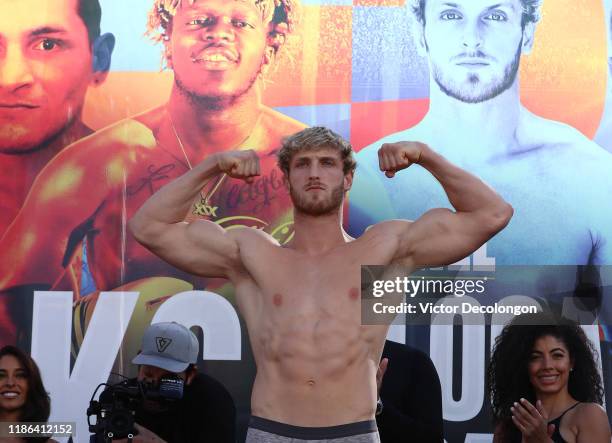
<point>312,139</point>
<point>282,14</point>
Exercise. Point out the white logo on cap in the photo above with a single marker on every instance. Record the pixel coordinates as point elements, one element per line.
<point>162,343</point>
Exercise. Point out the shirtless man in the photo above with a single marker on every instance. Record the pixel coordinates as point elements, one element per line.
<point>50,53</point>
<point>219,51</point>
<point>316,364</point>
<point>547,171</point>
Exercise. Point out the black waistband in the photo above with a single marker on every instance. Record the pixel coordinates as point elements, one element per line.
<point>309,433</point>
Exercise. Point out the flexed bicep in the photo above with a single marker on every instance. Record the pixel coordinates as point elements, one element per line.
<point>201,247</point>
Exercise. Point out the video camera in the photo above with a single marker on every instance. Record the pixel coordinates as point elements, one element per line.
<point>116,407</point>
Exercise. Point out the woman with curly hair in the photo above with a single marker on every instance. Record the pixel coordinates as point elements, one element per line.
<point>544,384</point>
<point>22,394</point>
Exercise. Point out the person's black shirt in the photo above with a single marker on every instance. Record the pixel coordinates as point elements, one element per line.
<point>411,396</point>
<point>206,413</point>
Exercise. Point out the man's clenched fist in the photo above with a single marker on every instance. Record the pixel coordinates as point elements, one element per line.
<point>393,157</point>
<point>239,164</point>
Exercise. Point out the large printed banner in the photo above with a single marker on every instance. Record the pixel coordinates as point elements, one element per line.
<point>95,118</point>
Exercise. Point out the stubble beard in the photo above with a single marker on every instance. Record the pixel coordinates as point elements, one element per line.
<point>476,92</point>
<point>319,207</point>
<point>216,102</point>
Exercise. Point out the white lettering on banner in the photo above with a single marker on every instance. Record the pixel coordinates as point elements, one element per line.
<point>480,261</point>
<point>472,367</point>
<point>214,314</point>
<point>51,342</point>
<point>397,333</point>
<point>52,331</point>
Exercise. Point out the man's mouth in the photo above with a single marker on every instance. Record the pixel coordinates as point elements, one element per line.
<point>17,105</point>
<point>217,58</point>
<point>311,187</point>
<point>473,63</point>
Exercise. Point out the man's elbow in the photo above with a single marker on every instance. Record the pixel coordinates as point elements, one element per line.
<point>499,217</point>
<point>138,228</point>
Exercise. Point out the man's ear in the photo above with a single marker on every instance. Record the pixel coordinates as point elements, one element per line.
<point>102,50</point>
<point>348,180</point>
<point>268,59</point>
<point>528,33</point>
<point>192,371</point>
<point>419,38</point>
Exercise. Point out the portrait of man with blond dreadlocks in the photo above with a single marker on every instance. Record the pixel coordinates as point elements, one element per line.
<point>219,52</point>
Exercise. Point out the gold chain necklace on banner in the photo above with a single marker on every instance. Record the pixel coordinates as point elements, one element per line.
<point>204,208</point>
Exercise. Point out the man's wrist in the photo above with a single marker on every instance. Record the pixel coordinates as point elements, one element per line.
<point>426,155</point>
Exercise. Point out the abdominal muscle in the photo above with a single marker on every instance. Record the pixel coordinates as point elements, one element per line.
<point>314,370</point>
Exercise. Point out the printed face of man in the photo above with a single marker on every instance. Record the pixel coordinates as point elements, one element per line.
<point>218,48</point>
<point>474,46</point>
<point>45,69</point>
<point>317,182</point>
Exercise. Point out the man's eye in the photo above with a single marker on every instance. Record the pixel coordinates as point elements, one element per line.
<point>449,15</point>
<point>241,24</point>
<point>201,21</point>
<point>497,17</point>
<point>47,44</point>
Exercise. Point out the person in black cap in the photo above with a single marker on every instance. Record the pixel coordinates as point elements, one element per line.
<point>206,410</point>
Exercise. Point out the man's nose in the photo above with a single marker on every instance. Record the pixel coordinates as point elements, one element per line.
<point>15,69</point>
<point>314,170</point>
<point>221,30</point>
<point>472,35</point>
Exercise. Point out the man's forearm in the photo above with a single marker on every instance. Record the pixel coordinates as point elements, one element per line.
<point>170,204</point>
<point>466,192</point>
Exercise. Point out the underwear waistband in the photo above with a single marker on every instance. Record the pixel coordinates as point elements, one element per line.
<point>313,433</point>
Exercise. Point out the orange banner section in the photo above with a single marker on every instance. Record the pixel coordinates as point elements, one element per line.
<point>373,120</point>
<point>564,77</point>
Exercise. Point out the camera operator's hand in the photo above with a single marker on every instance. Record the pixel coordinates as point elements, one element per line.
<point>143,436</point>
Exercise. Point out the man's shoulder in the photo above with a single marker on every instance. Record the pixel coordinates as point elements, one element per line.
<point>572,155</point>
<point>204,382</point>
<point>252,239</point>
<point>561,141</point>
<point>119,136</point>
<point>205,389</point>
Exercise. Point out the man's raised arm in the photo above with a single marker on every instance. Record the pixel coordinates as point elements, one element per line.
<point>442,236</point>
<point>200,247</point>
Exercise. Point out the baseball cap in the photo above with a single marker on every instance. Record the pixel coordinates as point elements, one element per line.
<point>168,345</point>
